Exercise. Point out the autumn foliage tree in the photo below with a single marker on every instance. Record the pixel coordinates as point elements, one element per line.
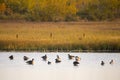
<point>2,8</point>
<point>60,10</point>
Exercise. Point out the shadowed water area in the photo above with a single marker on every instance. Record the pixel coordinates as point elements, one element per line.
<point>90,67</point>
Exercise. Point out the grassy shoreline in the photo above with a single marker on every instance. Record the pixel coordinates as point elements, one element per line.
<point>60,36</point>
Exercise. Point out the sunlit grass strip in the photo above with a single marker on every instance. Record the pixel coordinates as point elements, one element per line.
<point>77,37</point>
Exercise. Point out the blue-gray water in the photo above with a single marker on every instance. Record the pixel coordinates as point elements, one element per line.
<point>88,69</point>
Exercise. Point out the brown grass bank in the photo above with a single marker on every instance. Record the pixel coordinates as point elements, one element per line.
<point>60,36</point>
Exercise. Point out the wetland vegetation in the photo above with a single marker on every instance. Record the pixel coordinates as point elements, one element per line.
<point>60,36</point>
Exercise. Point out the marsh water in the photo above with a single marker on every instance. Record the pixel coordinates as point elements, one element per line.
<point>89,68</point>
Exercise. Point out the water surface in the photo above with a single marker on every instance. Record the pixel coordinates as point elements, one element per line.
<point>88,69</point>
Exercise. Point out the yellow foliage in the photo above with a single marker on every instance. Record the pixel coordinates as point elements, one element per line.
<point>2,8</point>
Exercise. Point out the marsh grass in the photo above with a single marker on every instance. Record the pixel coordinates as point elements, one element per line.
<point>71,36</point>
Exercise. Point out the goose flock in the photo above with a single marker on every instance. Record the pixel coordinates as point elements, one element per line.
<point>76,59</point>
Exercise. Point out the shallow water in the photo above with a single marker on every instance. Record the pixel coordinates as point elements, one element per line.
<point>88,69</point>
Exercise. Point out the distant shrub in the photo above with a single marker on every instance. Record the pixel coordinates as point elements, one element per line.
<point>57,10</point>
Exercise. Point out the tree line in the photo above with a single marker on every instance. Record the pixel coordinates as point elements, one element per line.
<point>59,10</point>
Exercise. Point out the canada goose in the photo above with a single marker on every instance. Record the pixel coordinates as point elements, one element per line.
<point>11,57</point>
<point>83,34</point>
<point>44,58</point>
<point>102,63</point>
<point>75,63</point>
<point>50,35</point>
<point>58,57</point>
<point>111,62</point>
<point>77,58</point>
<point>70,56</point>
<point>25,58</point>
<point>16,35</point>
<point>49,62</point>
<point>57,60</point>
<point>31,62</point>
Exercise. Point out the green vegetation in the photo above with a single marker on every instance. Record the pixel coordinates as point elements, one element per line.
<point>59,10</point>
<point>69,36</point>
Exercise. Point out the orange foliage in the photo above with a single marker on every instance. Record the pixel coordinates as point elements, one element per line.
<point>2,8</point>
